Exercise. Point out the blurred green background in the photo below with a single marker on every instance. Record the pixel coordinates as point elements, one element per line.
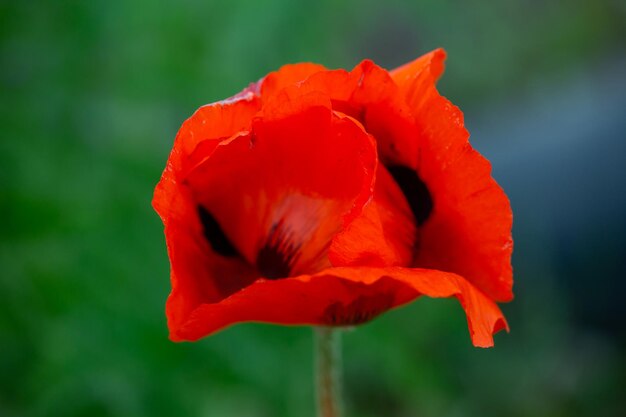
<point>92,94</point>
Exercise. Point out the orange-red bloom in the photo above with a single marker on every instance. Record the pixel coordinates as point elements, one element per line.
<point>327,197</point>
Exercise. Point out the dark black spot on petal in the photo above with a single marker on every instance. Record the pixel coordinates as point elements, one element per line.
<point>414,190</point>
<point>277,256</point>
<point>215,235</point>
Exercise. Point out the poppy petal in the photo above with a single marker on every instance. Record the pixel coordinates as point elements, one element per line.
<point>198,274</point>
<point>469,229</point>
<point>205,129</point>
<point>210,124</point>
<point>383,235</point>
<point>425,69</point>
<point>343,296</point>
<point>286,76</point>
<point>197,271</point>
<point>281,212</point>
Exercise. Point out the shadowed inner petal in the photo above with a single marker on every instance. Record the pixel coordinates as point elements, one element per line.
<point>384,234</point>
<point>415,191</point>
<point>214,234</point>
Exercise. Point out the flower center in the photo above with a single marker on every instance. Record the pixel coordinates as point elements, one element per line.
<point>278,255</point>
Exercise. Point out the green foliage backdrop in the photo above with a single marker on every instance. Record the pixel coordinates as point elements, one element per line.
<point>92,94</point>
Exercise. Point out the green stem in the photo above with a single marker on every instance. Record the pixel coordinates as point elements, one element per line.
<point>328,364</point>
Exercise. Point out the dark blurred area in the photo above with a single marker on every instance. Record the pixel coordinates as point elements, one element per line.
<point>92,94</point>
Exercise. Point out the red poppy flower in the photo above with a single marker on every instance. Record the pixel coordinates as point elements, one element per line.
<point>326,197</point>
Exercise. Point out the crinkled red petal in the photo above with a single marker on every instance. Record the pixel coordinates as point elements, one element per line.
<point>343,296</point>
<point>469,229</point>
<point>208,126</point>
<point>197,272</point>
<point>286,76</point>
<point>424,70</point>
